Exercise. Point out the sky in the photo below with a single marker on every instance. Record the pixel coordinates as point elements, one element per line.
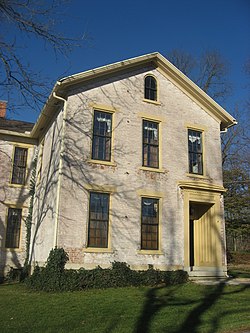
<point>117,30</point>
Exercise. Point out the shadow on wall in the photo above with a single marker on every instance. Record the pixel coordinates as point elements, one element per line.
<point>11,257</point>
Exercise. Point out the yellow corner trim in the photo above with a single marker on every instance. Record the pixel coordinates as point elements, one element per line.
<point>108,163</point>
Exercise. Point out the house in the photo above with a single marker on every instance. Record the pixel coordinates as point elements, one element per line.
<point>129,169</point>
<point>16,155</point>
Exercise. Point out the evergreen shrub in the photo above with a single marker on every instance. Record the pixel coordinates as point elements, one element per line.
<point>54,276</point>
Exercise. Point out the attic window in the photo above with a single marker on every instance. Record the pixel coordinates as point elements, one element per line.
<point>150,88</point>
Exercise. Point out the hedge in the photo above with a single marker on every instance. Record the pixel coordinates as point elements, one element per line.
<point>54,276</point>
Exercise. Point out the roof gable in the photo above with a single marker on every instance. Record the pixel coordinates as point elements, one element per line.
<point>65,84</point>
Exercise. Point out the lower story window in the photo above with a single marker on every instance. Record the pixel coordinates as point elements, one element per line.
<point>98,220</point>
<point>13,228</point>
<point>150,224</point>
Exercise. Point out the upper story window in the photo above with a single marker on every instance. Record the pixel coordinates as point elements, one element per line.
<point>19,166</point>
<point>150,144</point>
<point>150,224</point>
<point>195,152</point>
<point>98,220</point>
<point>102,136</point>
<point>13,228</point>
<point>150,88</point>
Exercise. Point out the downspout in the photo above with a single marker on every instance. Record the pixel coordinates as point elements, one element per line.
<point>60,166</point>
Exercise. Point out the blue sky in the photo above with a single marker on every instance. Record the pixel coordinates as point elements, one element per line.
<point>120,30</point>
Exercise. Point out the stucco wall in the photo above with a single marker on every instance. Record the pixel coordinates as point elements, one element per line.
<point>45,201</point>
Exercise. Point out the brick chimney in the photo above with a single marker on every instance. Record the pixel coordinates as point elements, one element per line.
<point>2,109</point>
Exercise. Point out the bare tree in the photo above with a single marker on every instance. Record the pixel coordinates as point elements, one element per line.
<point>209,71</point>
<point>31,19</point>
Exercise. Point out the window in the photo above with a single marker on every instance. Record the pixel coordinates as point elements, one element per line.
<point>13,228</point>
<point>150,144</point>
<point>150,224</point>
<point>98,220</point>
<point>150,88</point>
<point>102,135</point>
<point>19,166</point>
<point>195,152</point>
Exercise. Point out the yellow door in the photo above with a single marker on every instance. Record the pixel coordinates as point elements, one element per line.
<point>204,236</point>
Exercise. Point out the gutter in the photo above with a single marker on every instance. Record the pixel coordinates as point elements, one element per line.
<point>60,167</point>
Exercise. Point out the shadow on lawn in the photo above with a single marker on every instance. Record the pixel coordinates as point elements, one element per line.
<point>191,324</point>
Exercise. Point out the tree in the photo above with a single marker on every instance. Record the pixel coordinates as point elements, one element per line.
<point>31,19</point>
<point>209,72</point>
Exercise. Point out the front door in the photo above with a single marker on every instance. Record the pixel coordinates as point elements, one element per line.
<point>204,236</point>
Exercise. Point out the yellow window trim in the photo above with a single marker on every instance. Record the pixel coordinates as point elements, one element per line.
<point>157,90</point>
<point>202,129</point>
<point>151,101</point>
<point>159,121</point>
<point>152,169</point>
<point>153,195</point>
<point>150,117</point>
<point>97,250</point>
<point>107,110</point>
<point>108,163</point>
<point>150,252</point>
<point>100,188</point>
<point>102,107</point>
<point>17,206</point>
<point>105,190</point>
<point>12,164</point>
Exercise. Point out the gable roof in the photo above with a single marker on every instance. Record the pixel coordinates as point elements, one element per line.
<point>158,61</point>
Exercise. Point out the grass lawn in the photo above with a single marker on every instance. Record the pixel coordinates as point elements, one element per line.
<point>175,309</point>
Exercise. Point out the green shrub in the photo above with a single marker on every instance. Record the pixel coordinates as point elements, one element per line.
<point>54,276</point>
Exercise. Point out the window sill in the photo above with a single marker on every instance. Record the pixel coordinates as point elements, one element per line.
<point>17,185</point>
<point>12,249</point>
<point>152,169</point>
<point>97,250</point>
<point>151,101</point>
<point>194,175</point>
<point>150,252</point>
<point>108,163</point>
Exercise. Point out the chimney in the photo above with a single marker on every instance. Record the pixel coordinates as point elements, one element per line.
<point>2,109</point>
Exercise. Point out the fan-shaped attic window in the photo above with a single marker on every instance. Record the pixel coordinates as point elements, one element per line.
<point>150,88</point>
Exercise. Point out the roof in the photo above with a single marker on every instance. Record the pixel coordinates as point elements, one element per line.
<point>64,85</point>
<point>15,125</point>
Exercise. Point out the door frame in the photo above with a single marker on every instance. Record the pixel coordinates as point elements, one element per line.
<point>202,193</point>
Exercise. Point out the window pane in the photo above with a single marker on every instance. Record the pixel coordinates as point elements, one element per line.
<point>150,144</point>
<point>13,228</point>
<point>98,220</point>
<point>102,132</point>
<point>150,88</point>
<point>195,152</point>
<point>150,224</point>
<point>19,166</point>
